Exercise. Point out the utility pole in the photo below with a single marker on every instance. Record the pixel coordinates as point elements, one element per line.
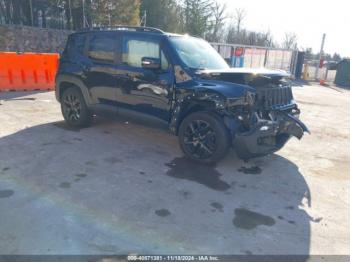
<point>320,56</point>
<point>31,11</point>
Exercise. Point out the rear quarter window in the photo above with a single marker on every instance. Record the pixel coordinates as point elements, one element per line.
<point>76,44</point>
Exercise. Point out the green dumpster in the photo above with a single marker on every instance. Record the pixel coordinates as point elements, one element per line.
<point>342,77</point>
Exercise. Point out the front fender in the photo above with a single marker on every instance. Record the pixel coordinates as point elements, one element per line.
<point>191,98</point>
<point>208,95</point>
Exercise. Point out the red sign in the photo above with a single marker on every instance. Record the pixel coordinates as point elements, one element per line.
<point>239,51</point>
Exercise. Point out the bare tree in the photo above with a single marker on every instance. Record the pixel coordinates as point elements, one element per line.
<point>290,41</point>
<point>267,39</point>
<point>216,35</point>
<point>239,17</point>
<point>198,16</point>
<point>234,32</point>
<point>231,34</point>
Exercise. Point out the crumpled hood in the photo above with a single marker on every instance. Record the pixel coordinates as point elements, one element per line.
<point>244,70</point>
<point>229,90</point>
<point>248,77</point>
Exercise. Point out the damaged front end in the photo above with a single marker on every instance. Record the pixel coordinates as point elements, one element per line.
<point>264,136</point>
<point>262,121</point>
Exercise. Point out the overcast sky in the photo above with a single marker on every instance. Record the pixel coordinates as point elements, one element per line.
<point>307,18</point>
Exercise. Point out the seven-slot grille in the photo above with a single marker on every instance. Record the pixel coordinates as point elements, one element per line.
<point>276,97</point>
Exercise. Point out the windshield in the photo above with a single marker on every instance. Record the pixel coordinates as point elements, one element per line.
<point>197,53</point>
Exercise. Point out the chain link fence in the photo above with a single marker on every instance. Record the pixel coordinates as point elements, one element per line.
<point>257,57</point>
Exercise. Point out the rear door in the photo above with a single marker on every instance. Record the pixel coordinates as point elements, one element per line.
<point>148,91</point>
<point>100,73</point>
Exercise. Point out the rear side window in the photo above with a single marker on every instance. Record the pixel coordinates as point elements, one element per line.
<point>102,48</point>
<point>76,44</point>
<point>135,49</point>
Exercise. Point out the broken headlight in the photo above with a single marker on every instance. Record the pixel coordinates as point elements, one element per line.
<point>247,100</point>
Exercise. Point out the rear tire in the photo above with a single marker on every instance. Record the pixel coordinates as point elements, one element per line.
<point>74,108</point>
<point>203,137</point>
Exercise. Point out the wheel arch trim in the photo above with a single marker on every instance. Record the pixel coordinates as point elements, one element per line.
<point>187,104</point>
<point>74,81</point>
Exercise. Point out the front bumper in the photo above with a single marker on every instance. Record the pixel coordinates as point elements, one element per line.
<point>268,136</point>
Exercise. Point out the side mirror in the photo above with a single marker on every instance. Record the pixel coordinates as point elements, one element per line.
<point>150,63</point>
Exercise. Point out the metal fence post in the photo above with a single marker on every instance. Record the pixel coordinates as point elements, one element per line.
<point>266,54</point>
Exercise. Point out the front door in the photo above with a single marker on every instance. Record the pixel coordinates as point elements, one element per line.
<point>147,91</point>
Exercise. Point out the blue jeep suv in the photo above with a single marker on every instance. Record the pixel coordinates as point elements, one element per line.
<point>183,81</point>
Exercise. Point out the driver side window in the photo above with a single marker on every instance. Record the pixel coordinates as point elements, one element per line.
<point>135,49</point>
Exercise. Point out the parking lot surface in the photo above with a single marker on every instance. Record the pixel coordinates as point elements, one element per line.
<point>122,186</point>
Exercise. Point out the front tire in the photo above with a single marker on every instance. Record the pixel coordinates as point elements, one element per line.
<point>204,138</point>
<point>74,108</point>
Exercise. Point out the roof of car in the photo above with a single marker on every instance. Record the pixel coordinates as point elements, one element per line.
<point>123,28</point>
<point>136,29</point>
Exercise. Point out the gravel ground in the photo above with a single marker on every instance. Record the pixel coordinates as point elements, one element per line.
<point>123,186</point>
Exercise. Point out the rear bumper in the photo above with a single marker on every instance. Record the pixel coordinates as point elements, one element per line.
<point>268,136</point>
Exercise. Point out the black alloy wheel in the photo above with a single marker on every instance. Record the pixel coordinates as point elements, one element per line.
<point>74,108</point>
<point>200,139</point>
<point>203,137</point>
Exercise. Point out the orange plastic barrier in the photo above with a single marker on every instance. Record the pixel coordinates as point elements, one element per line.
<point>27,71</point>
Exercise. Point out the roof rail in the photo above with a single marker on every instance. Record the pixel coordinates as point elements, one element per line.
<point>125,27</point>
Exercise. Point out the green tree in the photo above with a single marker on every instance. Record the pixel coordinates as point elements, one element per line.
<point>197,16</point>
<point>75,12</point>
<point>162,14</point>
<point>15,12</point>
<point>116,12</point>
